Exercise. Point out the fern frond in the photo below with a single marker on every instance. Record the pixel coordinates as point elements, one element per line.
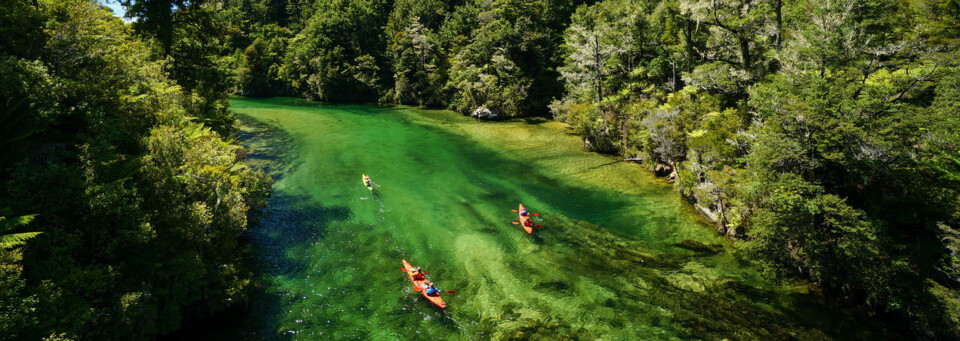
<point>121,170</point>
<point>16,239</point>
<point>237,167</point>
<point>9,224</point>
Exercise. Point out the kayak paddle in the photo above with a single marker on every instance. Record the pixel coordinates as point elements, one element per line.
<point>534,213</point>
<point>516,223</point>
<point>425,273</point>
<point>450,291</point>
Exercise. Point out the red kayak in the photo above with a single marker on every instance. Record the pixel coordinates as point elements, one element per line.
<point>525,221</point>
<point>416,286</point>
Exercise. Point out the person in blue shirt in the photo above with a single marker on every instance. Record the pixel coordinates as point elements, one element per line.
<point>429,289</point>
<point>524,212</point>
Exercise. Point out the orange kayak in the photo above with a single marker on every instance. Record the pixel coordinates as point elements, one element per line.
<point>523,221</point>
<point>416,286</point>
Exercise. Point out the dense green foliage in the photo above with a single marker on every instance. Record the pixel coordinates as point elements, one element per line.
<point>822,133</point>
<point>466,55</point>
<point>141,206</point>
<point>16,307</point>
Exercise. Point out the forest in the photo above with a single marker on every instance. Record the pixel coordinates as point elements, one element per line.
<point>823,136</point>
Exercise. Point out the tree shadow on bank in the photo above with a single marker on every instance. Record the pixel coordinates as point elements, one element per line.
<point>288,221</point>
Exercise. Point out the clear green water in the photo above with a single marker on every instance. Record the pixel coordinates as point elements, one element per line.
<point>609,263</point>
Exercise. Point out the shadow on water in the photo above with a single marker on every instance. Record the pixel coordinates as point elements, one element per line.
<point>291,222</point>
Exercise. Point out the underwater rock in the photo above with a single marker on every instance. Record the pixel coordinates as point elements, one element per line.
<point>686,281</point>
<point>750,292</point>
<point>554,285</point>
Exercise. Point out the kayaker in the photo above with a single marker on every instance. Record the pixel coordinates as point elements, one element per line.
<point>528,223</point>
<point>366,181</point>
<point>524,212</point>
<point>417,274</point>
<point>429,289</point>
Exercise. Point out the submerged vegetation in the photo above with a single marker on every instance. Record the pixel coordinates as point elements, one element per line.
<point>823,135</point>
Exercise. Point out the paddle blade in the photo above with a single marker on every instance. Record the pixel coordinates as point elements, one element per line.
<point>513,210</point>
<point>417,289</point>
<point>536,214</point>
<point>539,226</point>
<point>404,270</point>
<point>451,292</point>
<point>515,223</point>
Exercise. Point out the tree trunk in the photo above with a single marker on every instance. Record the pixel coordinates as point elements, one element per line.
<point>745,54</point>
<point>778,8</point>
<point>688,41</point>
<point>599,72</point>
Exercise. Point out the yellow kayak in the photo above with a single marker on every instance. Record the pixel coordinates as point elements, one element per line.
<point>368,182</point>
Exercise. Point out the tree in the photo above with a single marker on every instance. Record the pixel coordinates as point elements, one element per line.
<point>416,55</point>
<point>508,65</point>
<point>801,229</point>
<point>338,56</point>
<point>91,99</point>
<point>604,48</point>
<point>260,72</point>
<point>159,18</point>
<point>738,39</point>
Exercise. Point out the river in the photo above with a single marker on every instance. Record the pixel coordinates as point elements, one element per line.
<point>620,255</point>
